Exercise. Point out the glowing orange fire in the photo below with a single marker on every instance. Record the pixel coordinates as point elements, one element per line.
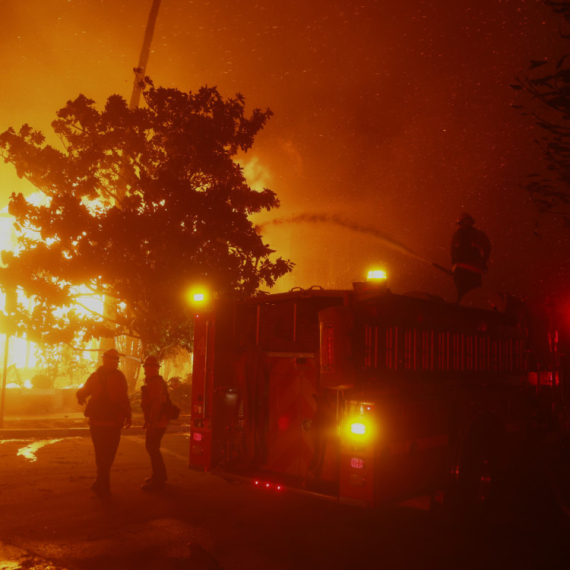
<point>22,352</point>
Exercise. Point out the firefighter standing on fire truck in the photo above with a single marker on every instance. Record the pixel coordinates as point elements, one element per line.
<point>470,250</point>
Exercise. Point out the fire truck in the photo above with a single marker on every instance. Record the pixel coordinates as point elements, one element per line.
<point>369,397</point>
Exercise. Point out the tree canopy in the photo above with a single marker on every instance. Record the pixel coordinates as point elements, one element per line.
<point>140,204</point>
<point>549,84</point>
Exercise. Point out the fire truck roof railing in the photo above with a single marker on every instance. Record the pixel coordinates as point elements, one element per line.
<point>297,293</point>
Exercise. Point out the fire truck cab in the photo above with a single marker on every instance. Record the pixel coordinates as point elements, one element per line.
<point>369,397</point>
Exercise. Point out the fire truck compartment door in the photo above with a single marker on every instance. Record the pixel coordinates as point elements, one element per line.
<point>291,401</point>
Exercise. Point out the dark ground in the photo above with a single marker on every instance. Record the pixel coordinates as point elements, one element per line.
<point>49,518</point>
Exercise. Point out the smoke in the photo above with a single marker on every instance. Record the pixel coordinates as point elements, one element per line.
<point>258,176</point>
<point>337,220</point>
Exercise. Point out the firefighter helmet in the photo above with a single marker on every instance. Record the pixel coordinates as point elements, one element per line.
<point>465,219</point>
<point>151,361</point>
<point>112,354</point>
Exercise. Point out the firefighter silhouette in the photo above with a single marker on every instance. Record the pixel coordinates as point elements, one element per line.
<point>470,250</point>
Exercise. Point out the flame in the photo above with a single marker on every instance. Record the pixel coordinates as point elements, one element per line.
<point>89,303</point>
<point>8,241</point>
<point>27,384</point>
<point>7,233</point>
<point>22,353</point>
<point>38,199</point>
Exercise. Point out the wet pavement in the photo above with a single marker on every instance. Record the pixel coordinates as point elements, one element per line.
<point>66,425</point>
<point>49,518</point>
<point>13,558</point>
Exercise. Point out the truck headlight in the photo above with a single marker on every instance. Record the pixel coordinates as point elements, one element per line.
<point>358,428</point>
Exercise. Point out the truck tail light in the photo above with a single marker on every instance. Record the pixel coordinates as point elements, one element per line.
<point>357,463</point>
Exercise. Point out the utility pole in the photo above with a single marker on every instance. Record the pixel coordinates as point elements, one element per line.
<point>145,52</point>
<point>109,305</point>
<point>10,306</point>
<point>4,376</point>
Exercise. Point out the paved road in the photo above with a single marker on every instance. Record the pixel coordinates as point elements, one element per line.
<point>50,519</point>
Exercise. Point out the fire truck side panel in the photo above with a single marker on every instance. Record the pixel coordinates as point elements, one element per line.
<point>337,365</point>
<point>260,387</point>
<point>202,393</point>
<point>221,395</point>
<point>406,452</point>
<point>428,374</point>
<point>292,405</point>
<point>374,397</point>
<point>288,337</point>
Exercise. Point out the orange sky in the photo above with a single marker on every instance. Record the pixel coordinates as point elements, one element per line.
<point>394,113</point>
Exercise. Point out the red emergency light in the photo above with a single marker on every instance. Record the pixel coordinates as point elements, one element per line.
<point>268,485</point>
<point>357,463</point>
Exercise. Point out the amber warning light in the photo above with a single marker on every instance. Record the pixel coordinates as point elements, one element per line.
<point>358,428</point>
<point>361,425</point>
<point>198,297</point>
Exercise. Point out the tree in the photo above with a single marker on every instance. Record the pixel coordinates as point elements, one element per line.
<point>549,84</point>
<point>140,204</point>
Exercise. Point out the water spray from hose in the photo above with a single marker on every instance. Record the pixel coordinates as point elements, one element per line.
<point>355,227</point>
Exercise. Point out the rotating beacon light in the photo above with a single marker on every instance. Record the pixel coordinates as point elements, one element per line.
<point>376,279</point>
<point>376,275</point>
